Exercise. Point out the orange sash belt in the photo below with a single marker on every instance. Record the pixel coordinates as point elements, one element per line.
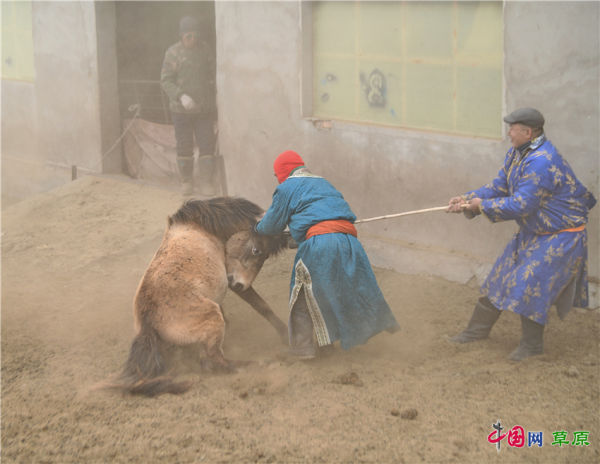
<point>574,229</point>
<point>330,227</point>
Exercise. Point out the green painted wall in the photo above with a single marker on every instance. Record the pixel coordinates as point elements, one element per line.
<point>425,65</point>
<point>17,41</point>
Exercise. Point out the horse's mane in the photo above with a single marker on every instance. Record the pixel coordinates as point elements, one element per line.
<point>222,216</point>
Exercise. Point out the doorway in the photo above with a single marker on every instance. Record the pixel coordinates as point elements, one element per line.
<point>144,31</point>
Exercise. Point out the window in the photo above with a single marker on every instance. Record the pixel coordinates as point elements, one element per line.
<point>17,41</point>
<point>423,65</point>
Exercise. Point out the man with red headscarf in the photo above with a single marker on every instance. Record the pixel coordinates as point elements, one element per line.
<point>333,291</point>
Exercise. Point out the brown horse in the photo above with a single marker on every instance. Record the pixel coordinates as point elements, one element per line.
<point>208,246</point>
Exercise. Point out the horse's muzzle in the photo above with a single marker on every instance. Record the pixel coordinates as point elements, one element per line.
<point>238,287</point>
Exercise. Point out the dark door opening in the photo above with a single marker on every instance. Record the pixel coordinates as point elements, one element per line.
<point>144,32</point>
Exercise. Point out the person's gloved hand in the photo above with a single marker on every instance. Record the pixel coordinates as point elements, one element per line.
<point>187,102</point>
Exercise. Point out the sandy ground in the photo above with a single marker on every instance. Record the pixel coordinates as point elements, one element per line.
<point>71,261</point>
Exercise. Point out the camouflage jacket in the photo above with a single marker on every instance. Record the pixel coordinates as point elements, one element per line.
<point>191,72</point>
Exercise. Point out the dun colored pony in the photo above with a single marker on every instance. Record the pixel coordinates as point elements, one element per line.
<point>208,246</point>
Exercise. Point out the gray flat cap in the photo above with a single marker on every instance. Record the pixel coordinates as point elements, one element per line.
<point>188,24</point>
<point>527,116</point>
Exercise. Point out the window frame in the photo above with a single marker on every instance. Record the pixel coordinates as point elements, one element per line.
<point>307,90</point>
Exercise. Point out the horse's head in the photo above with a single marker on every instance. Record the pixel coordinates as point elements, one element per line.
<point>245,253</point>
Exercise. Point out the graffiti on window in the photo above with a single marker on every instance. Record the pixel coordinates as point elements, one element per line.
<point>374,88</point>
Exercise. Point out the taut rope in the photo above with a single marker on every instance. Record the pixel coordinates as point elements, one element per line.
<point>407,213</point>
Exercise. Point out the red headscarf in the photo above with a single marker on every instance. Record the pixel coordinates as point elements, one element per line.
<point>285,163</point>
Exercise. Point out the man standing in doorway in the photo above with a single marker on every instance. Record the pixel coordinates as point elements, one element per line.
<point>187,77</point>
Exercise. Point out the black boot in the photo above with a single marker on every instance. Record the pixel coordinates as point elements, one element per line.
<point>484,317</point>
<point>206,170</point>
<point>302,343</point>
<point>185,166</point>
<point>532,340</point>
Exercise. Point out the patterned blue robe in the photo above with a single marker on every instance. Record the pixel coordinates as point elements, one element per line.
<point>541,266</point>
<point>344,300</point>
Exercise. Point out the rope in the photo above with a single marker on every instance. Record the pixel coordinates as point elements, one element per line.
<point>407,213</point>
<point>135,107</point>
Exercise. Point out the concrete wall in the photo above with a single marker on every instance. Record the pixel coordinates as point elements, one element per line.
<point>53,123</point>
<point>551,63</point>
<point>263,50</point>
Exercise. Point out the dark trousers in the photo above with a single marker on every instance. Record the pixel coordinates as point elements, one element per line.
<point>301,341</point>
<point>190,126</point>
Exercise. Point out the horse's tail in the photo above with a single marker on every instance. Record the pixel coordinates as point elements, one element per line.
<point>144,371</point>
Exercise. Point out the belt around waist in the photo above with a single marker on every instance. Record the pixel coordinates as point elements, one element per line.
<point>331,227</point>
<point>572,229</point>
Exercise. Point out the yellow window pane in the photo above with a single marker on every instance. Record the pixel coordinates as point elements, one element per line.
<point>17,41</point>
<point>479,102</point>
<point>334,87</point>
<point>429,103</point>
<point>479,31</point>
<point>333,27</point>
<point>380,28</point>
<point>429,30</point>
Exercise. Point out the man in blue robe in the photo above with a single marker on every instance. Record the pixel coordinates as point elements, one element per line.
<point>545,263</point>
<point>333,292</point>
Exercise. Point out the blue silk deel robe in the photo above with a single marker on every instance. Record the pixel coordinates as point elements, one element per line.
<point>344,300</point>
<point>544,264</point>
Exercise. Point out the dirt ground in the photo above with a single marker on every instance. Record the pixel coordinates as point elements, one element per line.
<point>71,262</point>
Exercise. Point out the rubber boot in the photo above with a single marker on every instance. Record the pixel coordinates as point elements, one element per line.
<point>302,343</point>
<point>185,166</point>
<point>483,319</point>
<point>206,169</point>
<point>532,340</point>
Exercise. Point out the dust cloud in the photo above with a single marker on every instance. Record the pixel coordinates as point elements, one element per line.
<point>71,262</point>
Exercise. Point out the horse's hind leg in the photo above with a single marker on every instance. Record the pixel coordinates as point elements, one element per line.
<point>200,323</point>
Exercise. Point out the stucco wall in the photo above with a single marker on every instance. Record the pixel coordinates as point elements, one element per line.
<point>53,123</point>
<point>551,62</point>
